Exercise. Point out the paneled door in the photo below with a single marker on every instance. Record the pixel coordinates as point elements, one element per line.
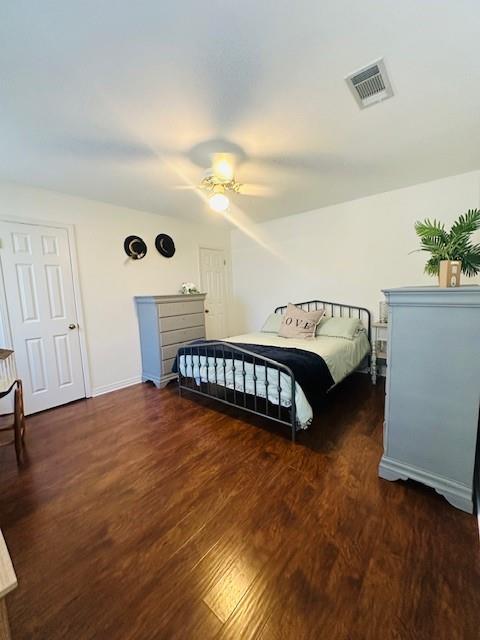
<point>37,274</point>
<point>213,283</point>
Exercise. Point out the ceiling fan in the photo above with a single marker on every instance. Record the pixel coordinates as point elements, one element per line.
<point>219,181</point>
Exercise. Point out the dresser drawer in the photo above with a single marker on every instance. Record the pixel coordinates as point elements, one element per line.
<point>167,366</point>
<point>181,322</point>
<point>166,309</point>
<point>170,351</point>
<point>181,335</point>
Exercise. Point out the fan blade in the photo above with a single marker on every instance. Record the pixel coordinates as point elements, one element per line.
<point>256,190</point>
<point>116,149</point>
<point>304,162</point>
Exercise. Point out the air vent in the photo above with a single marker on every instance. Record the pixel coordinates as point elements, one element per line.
<point>370,84</point>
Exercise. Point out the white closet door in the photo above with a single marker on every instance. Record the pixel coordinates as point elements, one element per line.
<point>37,274</point>
<point>212,277</point>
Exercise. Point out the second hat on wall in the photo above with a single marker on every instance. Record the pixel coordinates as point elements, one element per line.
<point>165,245</point>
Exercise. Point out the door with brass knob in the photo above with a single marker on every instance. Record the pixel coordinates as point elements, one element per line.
<point>39,290</point>
<point>213,283</point>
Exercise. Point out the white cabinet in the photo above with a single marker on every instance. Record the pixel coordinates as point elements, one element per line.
<point>433,389</point>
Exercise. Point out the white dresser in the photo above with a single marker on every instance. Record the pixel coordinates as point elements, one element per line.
<point>433,389</point>
<point>166,323</point>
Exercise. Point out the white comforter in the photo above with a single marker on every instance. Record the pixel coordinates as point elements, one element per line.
<point>341,356</point>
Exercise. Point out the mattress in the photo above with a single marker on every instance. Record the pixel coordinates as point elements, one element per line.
<point>340,355</point>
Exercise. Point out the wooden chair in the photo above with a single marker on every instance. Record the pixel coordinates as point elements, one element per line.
<point>9,382</point>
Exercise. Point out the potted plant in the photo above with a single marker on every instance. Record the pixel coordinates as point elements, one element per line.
<point>452,252</point>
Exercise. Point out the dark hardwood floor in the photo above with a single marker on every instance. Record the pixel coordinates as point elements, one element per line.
<point>142,515</point>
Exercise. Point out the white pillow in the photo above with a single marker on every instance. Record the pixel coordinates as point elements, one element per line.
<point>347,328</point>
<point>272,323</point>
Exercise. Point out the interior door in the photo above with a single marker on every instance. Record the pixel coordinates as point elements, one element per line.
<point>37,275</point>
<point>212,281</point>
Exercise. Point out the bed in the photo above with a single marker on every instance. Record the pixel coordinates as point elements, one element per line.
<point>275,377</point>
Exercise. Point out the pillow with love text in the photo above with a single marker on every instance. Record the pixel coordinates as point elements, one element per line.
<point>297,323</point>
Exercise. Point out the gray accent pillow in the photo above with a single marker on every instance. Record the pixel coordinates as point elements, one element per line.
<point>272,323</point>
<point>297,323</point>
<point>347,328</point>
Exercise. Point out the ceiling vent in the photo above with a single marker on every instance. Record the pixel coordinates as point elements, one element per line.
<point>370,84</point>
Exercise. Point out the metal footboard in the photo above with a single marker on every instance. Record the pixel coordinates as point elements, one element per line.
<point>217,359</point>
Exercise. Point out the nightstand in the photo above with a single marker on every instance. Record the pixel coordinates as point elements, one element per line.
<point>379,346</point>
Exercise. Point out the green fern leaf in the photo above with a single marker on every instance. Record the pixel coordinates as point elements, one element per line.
<point>467,223</point>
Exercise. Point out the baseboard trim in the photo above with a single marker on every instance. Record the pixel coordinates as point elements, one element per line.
<point>115,386</point>
<point>457,494</point>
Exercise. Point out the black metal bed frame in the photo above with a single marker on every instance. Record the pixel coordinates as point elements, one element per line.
<point>215,355</point>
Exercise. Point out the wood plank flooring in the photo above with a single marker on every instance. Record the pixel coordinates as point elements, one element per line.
<point>142,515</point>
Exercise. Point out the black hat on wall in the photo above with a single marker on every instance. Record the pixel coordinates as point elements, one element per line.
<point>165,245</point>
<point>135,247</point>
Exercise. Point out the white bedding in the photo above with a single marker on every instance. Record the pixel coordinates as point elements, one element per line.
<point>341,356</point>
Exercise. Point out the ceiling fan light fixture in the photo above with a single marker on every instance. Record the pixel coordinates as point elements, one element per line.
<point>218,202</point>
<point>223,168</point>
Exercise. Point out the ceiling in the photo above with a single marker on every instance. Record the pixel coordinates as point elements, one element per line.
<point>109,99</point>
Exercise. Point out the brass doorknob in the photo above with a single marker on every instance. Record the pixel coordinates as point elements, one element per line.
<point>72,326</point>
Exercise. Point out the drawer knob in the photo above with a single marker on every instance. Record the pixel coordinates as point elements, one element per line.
<point>206,310</point>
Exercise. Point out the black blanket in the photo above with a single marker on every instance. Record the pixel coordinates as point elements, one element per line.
<point>309,369</point>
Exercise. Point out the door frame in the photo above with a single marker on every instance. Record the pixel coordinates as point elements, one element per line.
<point>77,293</point>
<point>226,279</point>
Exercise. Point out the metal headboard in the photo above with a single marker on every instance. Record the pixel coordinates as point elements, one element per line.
<point>336,309</point>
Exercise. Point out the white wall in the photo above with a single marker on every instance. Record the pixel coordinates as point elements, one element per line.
<point>108,280</point>
<point>345,253</point>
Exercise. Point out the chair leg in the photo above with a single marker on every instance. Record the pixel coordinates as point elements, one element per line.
<point>19,422</point>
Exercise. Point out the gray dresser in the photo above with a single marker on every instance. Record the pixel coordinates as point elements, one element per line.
<point>166,323</point>
<point>433,389</point>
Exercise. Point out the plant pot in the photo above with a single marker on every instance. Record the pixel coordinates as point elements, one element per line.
<point>449,273</point>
